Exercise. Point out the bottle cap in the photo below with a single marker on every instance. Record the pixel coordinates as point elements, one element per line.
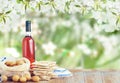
<point>28,26</point>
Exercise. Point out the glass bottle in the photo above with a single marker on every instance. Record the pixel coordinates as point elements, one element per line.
<point>28,45</point>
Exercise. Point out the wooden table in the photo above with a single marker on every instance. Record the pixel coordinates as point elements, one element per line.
<point>78,77</point>
<point>73,79</point>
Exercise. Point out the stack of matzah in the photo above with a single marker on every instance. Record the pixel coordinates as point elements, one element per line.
<point>44,69</point>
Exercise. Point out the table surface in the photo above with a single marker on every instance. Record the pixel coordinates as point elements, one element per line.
<point>78,77</point>
<point>73,79</point>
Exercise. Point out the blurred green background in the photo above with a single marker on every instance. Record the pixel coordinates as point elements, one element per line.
<point>72,40</point>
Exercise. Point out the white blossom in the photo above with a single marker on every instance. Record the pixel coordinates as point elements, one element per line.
<point>88,3</point>
<point>12,52</point>
<point>84,48</point>
<point>66,23</point>
<point>72,54</point>
<point>95,53</point>
<point>73,9</point>
<point>60,5</point>
<point>49,48</point>
<point>18,10</point>
<point>110,44</point>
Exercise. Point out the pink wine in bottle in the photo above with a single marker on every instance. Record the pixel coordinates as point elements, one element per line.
<point>28,45</point>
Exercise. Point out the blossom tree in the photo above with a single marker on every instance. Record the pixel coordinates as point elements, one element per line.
<point>105,12</point>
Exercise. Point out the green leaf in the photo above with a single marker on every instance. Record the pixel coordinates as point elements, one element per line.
<point>39,7</point>
<point>83,9</point>
<point>97,5</point>
<point>67,4</point>
<point>77,5</point>
<point>8,12</point>
<point>25,7</point>
<point>4,20</point>
<point>19,1</point>
<point>27,0</point>
<point>92,22</point>
<point>53,5</point>
<point>51,0</point>
<point>117,21</point>
<point>26,4</point>
<point>114,13</point>
<point>47,3</point>
<point>1,14</point>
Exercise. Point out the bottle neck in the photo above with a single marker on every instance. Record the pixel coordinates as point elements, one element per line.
<point>28,33</point>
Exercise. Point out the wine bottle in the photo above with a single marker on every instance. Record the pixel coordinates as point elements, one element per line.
<point>28,45</point>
